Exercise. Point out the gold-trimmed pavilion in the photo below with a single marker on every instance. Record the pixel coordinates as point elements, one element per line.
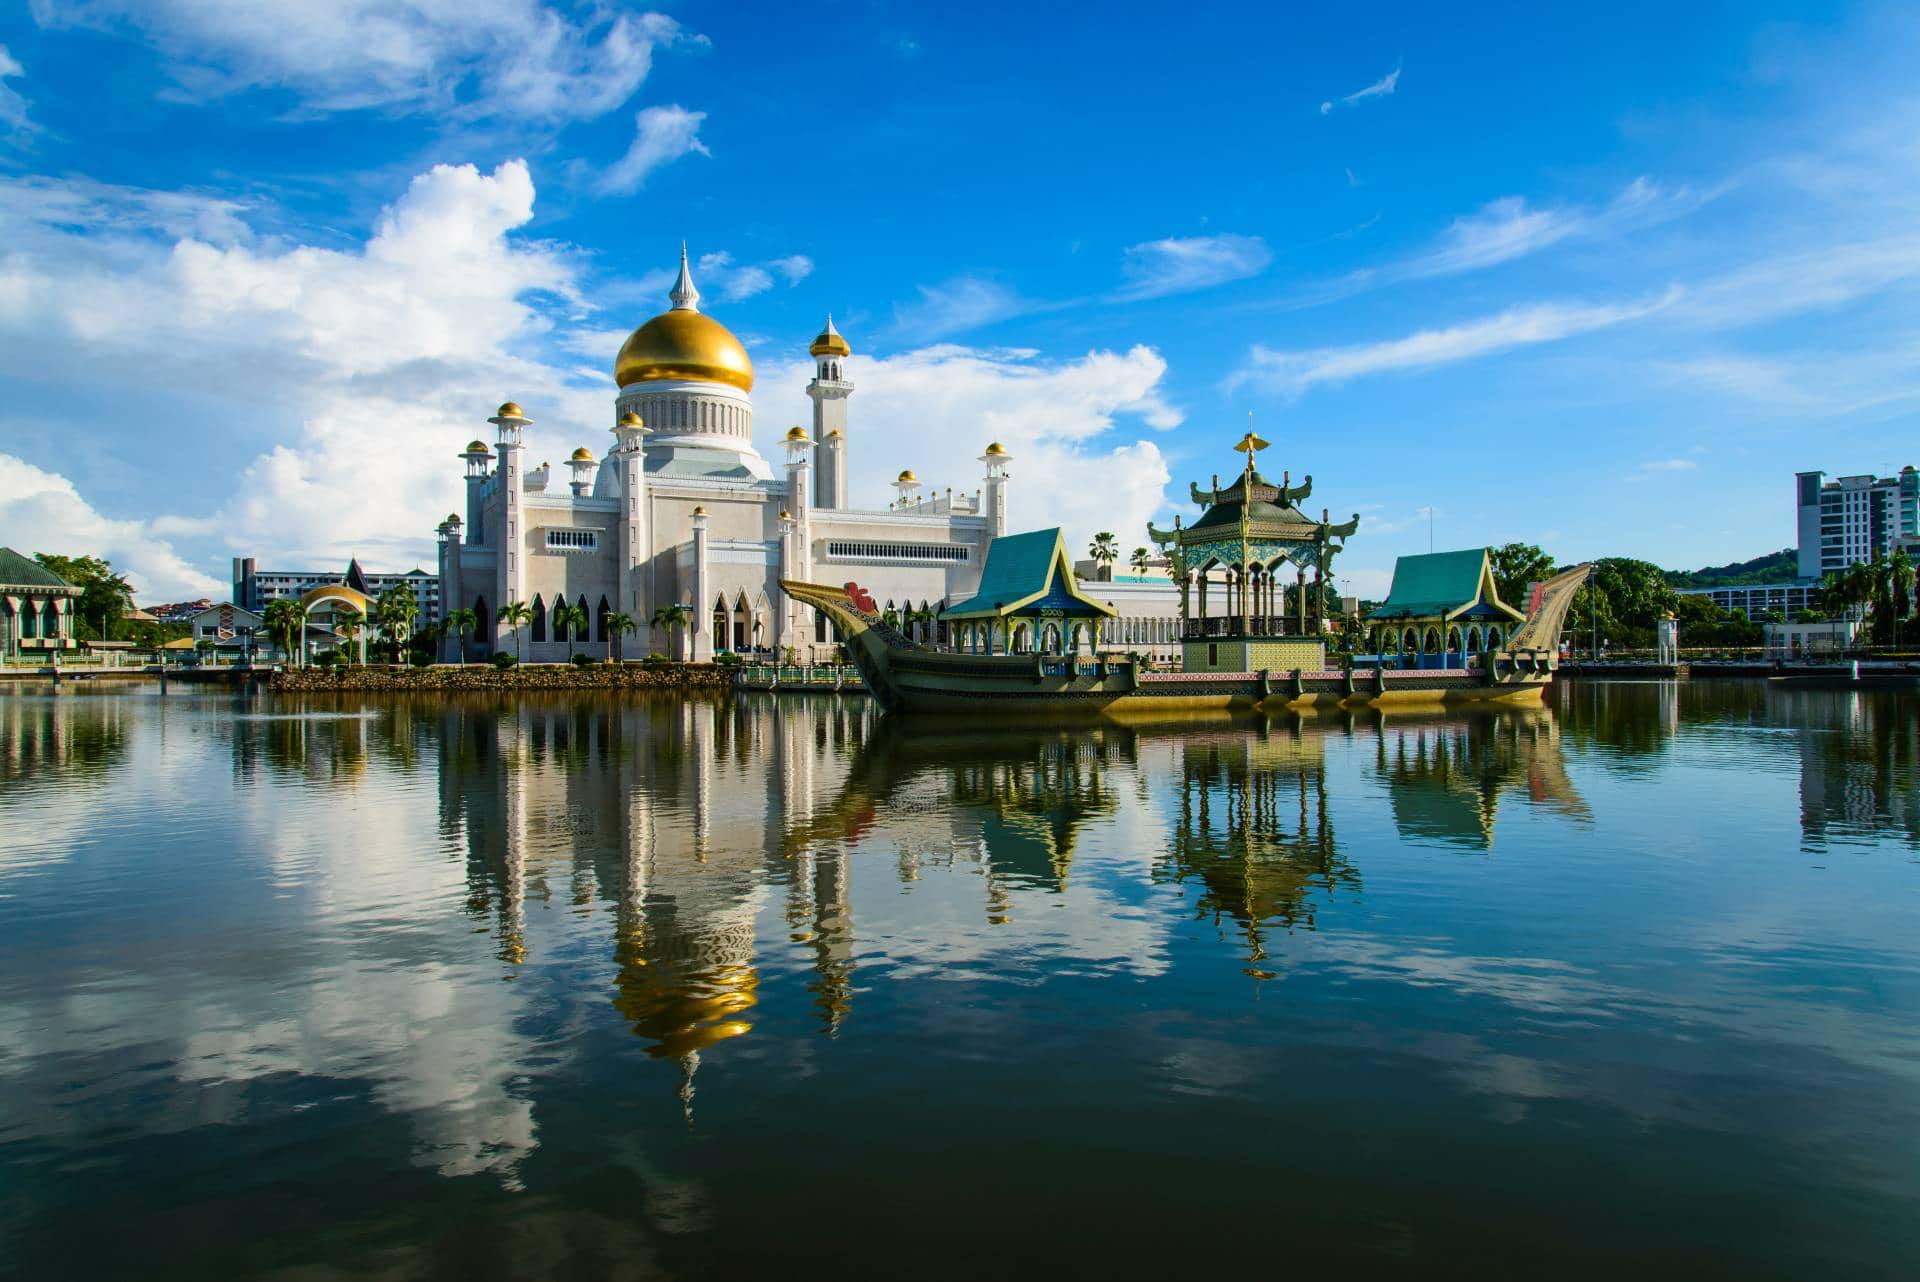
<point>1247,534</point>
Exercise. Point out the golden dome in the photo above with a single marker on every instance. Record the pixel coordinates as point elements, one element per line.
<point>785,515</point>
<point>510,410</point>
<point>583,455</point>
<point>829,342</point>
<point>683,344</point>
<point>908,477</point>
<point>796,433</point>
<point>834,434</point>
<point>452,519</point>
<point>631,419</point>
<point>699,511</point>
<point>996,449</point>
<point>477,447</point>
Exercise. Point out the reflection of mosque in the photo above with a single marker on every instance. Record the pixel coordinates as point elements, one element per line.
<point>669,809</point>
<point>1445,777</point>
<point>1254,830</point>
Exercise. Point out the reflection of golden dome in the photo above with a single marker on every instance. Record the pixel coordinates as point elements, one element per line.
<point>510,410</point>
<point>683,344</point>
<point>829,342</point>
<point>477,447</point>
<point>583,455</point>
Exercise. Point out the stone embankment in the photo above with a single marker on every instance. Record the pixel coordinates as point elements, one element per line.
<point>529,676</point>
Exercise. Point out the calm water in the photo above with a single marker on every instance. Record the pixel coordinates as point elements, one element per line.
<point>575,987</point>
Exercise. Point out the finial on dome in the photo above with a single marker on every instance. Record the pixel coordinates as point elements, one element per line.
<point>685,297</point>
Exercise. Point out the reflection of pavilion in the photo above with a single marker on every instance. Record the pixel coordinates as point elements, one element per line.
<point>1445,777</point>
<point>1254,830</point>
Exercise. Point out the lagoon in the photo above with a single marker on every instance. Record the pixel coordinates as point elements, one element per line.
<point>595,985</point>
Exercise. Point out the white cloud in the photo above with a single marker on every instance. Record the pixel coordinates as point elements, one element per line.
<point>1380,88</point>
<point>365,365</point>
<point>960,304</point>
<point>718,274</point>
<point>1160,267</point>
<point>42,512</point>
<point>15,127</point>
<point>1669,465</point>
<point>511,59</point>
<point>936,409</point>
<point>661,135</point>
<point>1294,372</point>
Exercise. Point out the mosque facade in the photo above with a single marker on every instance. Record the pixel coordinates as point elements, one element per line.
<point>682,509</point>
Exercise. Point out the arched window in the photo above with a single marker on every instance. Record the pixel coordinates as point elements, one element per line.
<point>820,626</point>
<point>1410,642</point>
<point>720,623</point>
<point>1493,637</point>
<point>1473,640</point>
<point>539,629</point>
<point>1432,644</point>
<point>481,623</point>
<point>30,621</point>
<point>1453,640</point>
<point>603,634</point>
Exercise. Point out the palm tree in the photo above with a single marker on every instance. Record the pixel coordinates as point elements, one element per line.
<point>462,622</point>
<point>574,619</point>
<point>516,615</point>
<point>285,621</point>
<point>348,623</point>
<point>618,625</point>
<point>1105,549</point>
<point>1900,579</point>
<point>397,612</point>
<point>1140,560</point>
<point>670,617</point>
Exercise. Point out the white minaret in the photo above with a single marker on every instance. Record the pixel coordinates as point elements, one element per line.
<point>829,390</point>
<point>477,459</point>
<point>700,629</point>
<point>796,533</point>
<point>510,569</point>
<point>996,458</point>
<point>635,547</point>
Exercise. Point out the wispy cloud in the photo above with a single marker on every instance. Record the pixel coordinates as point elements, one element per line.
<point>719,273</point>
<point>15,126</point>
<point>958,305</point>
<point>1669,465</point>
<point>507,59</point>
<point>1380,88</point>
<point>1157,268</point>
<point>1293,372</point>
<point>661,135</point>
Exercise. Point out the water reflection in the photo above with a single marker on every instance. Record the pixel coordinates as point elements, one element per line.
<point>1446,778</point>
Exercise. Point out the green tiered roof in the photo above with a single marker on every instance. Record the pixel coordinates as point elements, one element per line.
<point>1444,585</point>
<point>24,571</point>
<point>1025,570</point>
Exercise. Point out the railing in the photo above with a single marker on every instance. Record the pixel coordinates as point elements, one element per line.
<point>1259,625</point>
<point>797,676</point>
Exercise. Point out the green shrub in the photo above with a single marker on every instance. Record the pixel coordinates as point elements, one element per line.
<point>327,659</point>
<point>656,660</point>
<point>728,659</point>
<point>584,661</point>
<point>502,661</point>
<point>420,659</point>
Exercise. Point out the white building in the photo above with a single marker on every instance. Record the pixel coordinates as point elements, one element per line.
<point>254,588</point>
<point>1810,640</point>
<point>682,509</point>
<point>1854,518</point>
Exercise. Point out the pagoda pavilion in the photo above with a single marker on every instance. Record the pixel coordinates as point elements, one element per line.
<point>1028,601</point>
<point>1242,547</point>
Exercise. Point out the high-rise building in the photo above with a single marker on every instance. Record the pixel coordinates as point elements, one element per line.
<point>254,588</point>
<point>1854,518</point>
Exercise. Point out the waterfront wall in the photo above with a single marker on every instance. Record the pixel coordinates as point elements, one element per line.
<point>529,676</point>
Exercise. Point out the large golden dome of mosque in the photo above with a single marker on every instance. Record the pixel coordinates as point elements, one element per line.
<point>683,344</point>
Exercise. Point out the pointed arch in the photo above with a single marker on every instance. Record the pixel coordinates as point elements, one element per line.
<point>482,621</point>
<point>537,630</point>
<point>602,634</point>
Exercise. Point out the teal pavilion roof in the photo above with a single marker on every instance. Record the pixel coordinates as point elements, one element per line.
<point>1026,573</point>
<point>24,571</point>
<point>1444,585</point>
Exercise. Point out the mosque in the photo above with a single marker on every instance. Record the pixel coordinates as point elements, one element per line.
<point>682,509</point>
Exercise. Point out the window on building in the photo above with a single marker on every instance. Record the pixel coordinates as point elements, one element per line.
<point>572,540</point>
<point>852,550</point>
<point>539,625</point>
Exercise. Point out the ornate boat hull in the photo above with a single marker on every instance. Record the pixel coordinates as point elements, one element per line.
<point>904,675</point>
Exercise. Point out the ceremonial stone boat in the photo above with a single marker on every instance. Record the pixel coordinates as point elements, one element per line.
<point>905,675</point>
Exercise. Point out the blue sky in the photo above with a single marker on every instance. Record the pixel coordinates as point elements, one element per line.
<point>1597,280</point>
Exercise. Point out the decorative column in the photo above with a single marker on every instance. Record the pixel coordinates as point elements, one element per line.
<point>510,570</point>
<point>700,630</point>
<point>635,546</point>
<point>829,391</point>
<point>796,535</point>
<point>477,459</point>
<point>996,458</point>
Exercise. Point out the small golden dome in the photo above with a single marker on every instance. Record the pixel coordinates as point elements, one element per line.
<point>834,434</point>
<point>796,433</point>
<point>908,477</point>
<point>477,447</point>
<point>583,455</point>
<point>453,519</point>
<point>829,342</point>
<point>699,511</point>
<point>683,344</point>
<point>510,410</point>
<point>631,419</point>
<point>996,449</point>
<point>785,515</point>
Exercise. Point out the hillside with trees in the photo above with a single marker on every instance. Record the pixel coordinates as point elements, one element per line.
<point>1775,567</point>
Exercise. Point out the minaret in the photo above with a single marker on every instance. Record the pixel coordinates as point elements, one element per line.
<point>829,390</point>
<point>796,534</point>
<point>509,581</point>
<point>996,458</point>
<point>700,627</point>
<point>477,459</point>
<point>451,592</point>
<point>629,434</point>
